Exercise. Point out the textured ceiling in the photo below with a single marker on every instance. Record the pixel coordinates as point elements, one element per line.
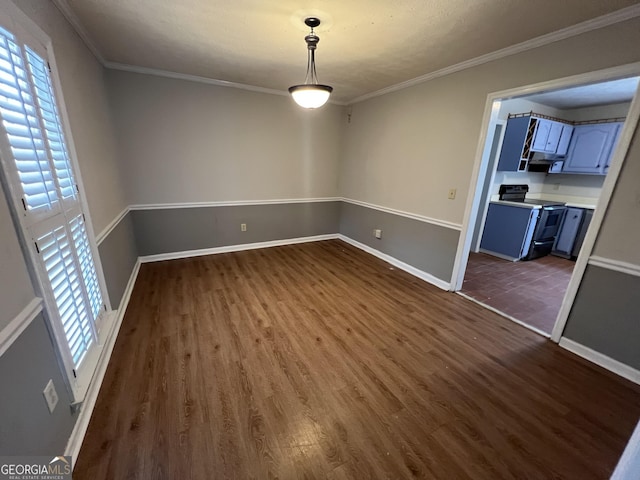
<point>616,91</point>
<point>365,45</point>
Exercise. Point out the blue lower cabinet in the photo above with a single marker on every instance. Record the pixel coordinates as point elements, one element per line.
<point>508,230</point>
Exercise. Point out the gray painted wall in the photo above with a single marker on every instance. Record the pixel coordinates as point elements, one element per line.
<point>118,255</point>
<point>605,315</point>
<point>180,229</point>
<point>16,291</point>
<point>430,248</point>
<point>26,426</point>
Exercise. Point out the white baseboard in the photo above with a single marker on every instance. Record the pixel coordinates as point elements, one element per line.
<point>513,319</point>
<point>82,423</point>
<point>598,358</point>
<point>427,277</point>
<point>234,248</point>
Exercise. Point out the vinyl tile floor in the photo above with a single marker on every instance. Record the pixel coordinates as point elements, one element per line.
<point>530,291</point>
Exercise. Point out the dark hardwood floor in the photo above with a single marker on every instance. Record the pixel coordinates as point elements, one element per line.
<point>319,361</point>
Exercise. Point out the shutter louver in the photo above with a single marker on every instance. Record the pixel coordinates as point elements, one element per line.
<point>64,277</point>
<point>51,120</point>
<point>87,267</point>
<point>23,130</point>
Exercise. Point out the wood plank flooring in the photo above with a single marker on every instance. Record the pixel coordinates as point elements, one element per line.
<point>319,361</point>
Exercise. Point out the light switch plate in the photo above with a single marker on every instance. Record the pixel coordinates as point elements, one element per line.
<point>51,396</point>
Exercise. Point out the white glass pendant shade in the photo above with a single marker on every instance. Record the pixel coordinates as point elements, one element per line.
<point>310,95</point>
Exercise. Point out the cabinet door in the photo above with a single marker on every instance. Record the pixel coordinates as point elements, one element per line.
<point>513,144</point>
<point>565,138</point>
<point>543,128</point>
<point>589,148</point>
<point>568,231</point>
<point>554,137</point>
<point>614,144</point>
<point>508,230</point>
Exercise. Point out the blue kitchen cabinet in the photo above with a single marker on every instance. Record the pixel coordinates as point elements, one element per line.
<point>568,232</point>
<point>591,148</point>
<point>508,230</point>
<point>512,145</point>
<point>616,139</point>
<point>528,134</point>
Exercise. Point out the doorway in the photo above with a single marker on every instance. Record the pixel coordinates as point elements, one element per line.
<point>538,293</point>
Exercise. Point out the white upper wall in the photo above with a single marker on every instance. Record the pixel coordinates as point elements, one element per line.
<point>83,86</point>
<point>615,110</point>
<point>184,141</point>
<point>404,150</point>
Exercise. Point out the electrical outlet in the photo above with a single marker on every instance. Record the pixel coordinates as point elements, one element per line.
<point>452,193</point>
<point>556,186</point>
<point>377,233</point>
<point>243,227</point>
<point>50,395</point>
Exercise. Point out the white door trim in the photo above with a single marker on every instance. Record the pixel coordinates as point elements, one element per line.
<point>475,188</point>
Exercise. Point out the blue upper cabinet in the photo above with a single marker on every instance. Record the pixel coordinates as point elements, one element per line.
<point>591,148</point>
<point>528,134</point>
<point>511,155</point>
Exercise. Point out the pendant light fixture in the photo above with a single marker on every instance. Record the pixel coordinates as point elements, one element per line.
<point>311,94</point>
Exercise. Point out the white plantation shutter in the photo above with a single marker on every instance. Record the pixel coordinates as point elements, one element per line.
<point>41,177</point>
<point>24,135</point>
<point>52,125</point>
<point>56,251</point>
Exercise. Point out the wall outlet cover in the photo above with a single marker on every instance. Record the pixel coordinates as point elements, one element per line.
<point>377,233</point>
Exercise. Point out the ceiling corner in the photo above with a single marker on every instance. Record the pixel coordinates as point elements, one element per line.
<point>73,19</point>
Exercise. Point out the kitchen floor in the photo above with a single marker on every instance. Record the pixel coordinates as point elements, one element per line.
<point>531,291</point>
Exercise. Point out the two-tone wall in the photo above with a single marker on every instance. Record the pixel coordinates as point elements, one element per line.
<point>28,358</point>
<point>606,312</point>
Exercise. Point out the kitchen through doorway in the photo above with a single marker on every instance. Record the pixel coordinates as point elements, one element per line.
<point>547,158</point>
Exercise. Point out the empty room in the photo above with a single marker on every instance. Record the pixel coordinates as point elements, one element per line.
<point>234,237</point>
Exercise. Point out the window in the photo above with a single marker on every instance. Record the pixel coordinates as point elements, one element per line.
<point>41,179</point>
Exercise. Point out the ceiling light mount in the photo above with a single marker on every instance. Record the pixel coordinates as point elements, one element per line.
<point>311,94</point>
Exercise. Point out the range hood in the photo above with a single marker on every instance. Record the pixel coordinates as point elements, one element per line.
<point>539,158</point>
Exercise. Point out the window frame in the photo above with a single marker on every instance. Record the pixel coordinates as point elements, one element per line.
<point>77,382</point>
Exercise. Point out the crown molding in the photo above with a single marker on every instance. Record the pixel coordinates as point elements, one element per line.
<point>196,78</point>
<point>612,18</point>
<point>75,22</point>
<point>191,78</point>
<point>587,26</point>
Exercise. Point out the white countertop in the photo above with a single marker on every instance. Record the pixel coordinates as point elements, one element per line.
<point>569,201</point>
<point>587,206</point>
<point>517,204</point>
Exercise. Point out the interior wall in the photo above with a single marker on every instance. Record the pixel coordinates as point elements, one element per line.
<point>619,236</point>
<point>404,150</point>
<point>184,141</point>
<point>17,290</point>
